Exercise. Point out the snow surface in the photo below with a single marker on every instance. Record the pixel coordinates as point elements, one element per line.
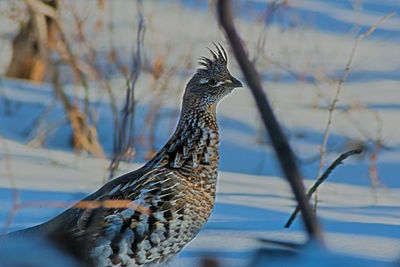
<point>253,200</point>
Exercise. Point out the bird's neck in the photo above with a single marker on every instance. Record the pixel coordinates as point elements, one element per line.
<point>194,145</point>
<point>199,116</point>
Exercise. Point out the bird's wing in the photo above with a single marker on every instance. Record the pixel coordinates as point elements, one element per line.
<point>137,221</point>
<point>124,213</point>
<point>67,219</point>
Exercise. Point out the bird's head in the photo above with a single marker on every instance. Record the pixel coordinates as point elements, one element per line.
<point>212,81</point>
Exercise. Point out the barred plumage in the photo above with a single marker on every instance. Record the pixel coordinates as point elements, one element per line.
<point>175,190</point>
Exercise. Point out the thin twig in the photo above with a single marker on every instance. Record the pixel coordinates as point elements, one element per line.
<point>3,96</point>
<point>115,60</point>
<point>321,179</point>
<point>14,189</point>
<point>347,112</point>
<point>40,118</point>
<point>266,18</point>
<point>44,131</point>
<point>137,66</point>
<point>279,141</point>
<point>123,141</point>
<point>85,134</point>
<point>41,9</point>
<point>337,94</point>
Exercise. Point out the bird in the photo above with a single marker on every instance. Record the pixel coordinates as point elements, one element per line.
<point>163,205</point>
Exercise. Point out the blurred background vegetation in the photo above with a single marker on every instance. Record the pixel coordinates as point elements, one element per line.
<point>121,54</point>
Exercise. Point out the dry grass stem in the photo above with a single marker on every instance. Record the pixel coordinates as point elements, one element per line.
<point>14,189</point>
<point>337,94</point>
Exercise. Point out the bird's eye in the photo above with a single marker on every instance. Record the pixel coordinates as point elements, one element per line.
<point>212,82</point>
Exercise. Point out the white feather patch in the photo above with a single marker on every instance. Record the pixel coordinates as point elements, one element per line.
<point>203,81</point>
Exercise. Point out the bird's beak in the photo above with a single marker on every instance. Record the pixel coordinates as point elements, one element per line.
<point>233,82</point>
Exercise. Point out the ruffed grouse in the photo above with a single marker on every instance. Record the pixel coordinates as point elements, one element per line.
<point>170,198</point>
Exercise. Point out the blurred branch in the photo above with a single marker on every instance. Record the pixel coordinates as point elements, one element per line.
<point>14,190</point>
<point>31,129</point>
<point>75,64</point>
<point>42,8</point>
<point>123,141</point>
<point>84,134</point>
<point>321,179</point>
<point>114,58</point>
<point>44,131</point>
<point>28,60</point>
<point>337,94</point>
<point>354,122</point>
<point>281,146</point>
<point>4,98</point>
<point>266,18</point>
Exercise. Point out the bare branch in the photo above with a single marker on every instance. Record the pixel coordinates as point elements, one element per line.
<point>338,91</point>
<point>281,146</point>
<point>321,179</point>
<point>123,140</point>
<point>42,8</point>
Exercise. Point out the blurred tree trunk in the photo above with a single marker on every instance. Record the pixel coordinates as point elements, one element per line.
<point>28,61</point>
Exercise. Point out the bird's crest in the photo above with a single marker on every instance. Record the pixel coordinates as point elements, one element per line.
<point>218,61</point>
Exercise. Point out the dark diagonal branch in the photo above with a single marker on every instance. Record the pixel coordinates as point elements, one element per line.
<point>281,145</point>
<point>321,179</point>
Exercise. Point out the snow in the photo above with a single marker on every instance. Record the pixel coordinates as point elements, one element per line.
<point>360,223</point>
